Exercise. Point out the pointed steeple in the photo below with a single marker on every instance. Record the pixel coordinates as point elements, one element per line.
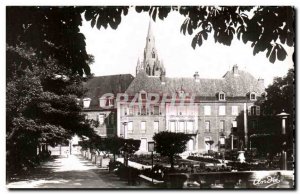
<point>151,63</point>
<point>150,29</point>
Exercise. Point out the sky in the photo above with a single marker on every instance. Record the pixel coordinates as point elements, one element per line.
<point>117,51</point>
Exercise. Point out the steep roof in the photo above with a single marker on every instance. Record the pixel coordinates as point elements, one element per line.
<point>97,86</point>
<point>233,84</point>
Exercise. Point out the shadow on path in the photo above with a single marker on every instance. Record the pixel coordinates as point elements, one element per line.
<point>70,172</point>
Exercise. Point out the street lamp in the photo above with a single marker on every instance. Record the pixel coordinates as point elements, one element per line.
<point>124,124</point>
<point>283,116</point>
<point>151,148</point>
<point>124,136</point>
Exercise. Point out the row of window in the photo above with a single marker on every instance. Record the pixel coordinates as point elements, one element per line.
<point>252,110</point>
<point>181,126</point>
<point>178,126</point>
<point>222,96</point>
<point>141,110</point>
<point>221,125</point>
<point>143,96</point>
<point>183,110</point>
<point>130,129</point>
<point>101,119</point>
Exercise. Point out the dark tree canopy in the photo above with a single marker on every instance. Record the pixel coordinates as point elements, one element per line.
<point>42,105</point>
<point>52,31</point>
<point>281,95</point>
<point>170,144</point>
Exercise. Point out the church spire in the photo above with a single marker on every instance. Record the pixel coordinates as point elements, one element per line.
<point>150,29</point>
<point>151,64</point>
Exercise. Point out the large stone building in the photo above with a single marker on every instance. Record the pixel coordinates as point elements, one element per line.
<point>100,107</point>
<point>216,113</point>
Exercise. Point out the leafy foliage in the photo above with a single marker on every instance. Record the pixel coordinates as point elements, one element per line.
<point>280,95</point>
<point>266,28</point>
<point>52,31</point>
<point>114,145</point>
<point>169,144</point>
<point>41,105</point>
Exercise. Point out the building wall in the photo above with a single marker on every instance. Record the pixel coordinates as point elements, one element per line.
<point>196,114</point>
<point>109,127</point>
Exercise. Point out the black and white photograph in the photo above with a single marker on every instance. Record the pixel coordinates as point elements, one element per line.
<point>198,97</point>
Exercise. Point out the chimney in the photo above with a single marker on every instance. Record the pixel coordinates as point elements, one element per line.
<point>235,69</point>
<point>196,77</point>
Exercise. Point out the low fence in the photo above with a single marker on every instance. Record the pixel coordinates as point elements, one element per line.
<point>233,180</point>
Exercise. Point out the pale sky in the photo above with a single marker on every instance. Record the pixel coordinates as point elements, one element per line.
<point>117,51</point>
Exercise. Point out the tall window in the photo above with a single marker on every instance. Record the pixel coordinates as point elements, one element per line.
<point>109,101</point>
<point>172,126</point>
<point>190,126</point>
<point>181,127</point>
<point>143,110</point>
<point>207,126</point>
<point>222,142</point>
<point>130,128</point>
<point>235,110</point>
<point>222,110</point>
<point>222,126</point>
<point>101,119</point>
<point>143,146</point>
<point>252,96</point>
<point>221,96</point>
<point>156,126</point>
<point>254,111</point>
<point>156,110</point>
<point>207,110</point>
<point>143,127</point>
<point>86,102</point>
<point>234,124</point>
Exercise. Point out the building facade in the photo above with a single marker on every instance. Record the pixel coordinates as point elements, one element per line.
<point>216,113</point>
<point>99,105</point>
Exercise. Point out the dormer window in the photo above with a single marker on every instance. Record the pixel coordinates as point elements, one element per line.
<point>252,96</point>
<point>109,101</point>
<point>143,95</point>
<point>221,96</point>
<point>86,102</point>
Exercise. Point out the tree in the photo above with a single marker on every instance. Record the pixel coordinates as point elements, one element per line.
<point>42,105</point>
<point>281,96</point>
<point>52,31</point>
<point>169,144</point>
